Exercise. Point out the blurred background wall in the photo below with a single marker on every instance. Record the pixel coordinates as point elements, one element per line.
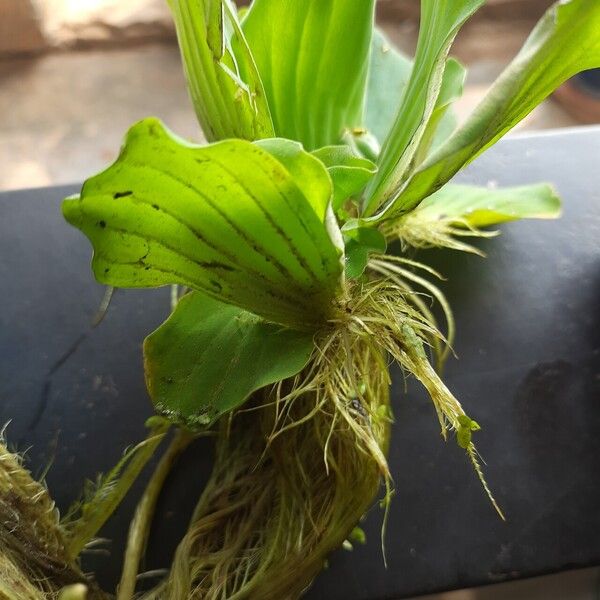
<point>36,25</point>
<point>20,28</point>
<point>74,74</point>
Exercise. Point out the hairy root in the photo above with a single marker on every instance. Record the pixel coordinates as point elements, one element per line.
<point>291,481</point>
<point>297,470</point>
<point>414,232</point>
<point>34,564</point>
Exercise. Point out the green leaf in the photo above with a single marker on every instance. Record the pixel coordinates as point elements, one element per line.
<point>313,58</point>
<point>480,206</point>
<point>349,172</point>
<point>389,74</point>
<point>227,219</point>
<point>209,357</point>
<point>308,172</point>
<point>440,23</point>
<point>564,42</point>
<point>388,77</point>
<point>459,211</point>
<point>225,87</point>
<point>443,121</point>
<point>359,244</point>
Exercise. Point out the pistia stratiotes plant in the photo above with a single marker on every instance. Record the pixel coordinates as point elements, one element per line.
<point>325,144</point>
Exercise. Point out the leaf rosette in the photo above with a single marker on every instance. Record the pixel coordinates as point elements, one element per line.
<point>326,146</point>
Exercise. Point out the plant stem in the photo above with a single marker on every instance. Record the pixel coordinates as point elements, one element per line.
<point>100,509</point>
<point>140,525</point>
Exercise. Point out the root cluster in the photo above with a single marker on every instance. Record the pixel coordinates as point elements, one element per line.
<point>297,470</point>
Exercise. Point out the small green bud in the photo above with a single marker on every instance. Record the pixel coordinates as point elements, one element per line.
<point>358,536</point>
<point>464,434</point>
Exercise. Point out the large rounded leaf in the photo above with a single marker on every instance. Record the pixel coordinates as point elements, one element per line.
<point>208,357</point>
<point>227,219</point>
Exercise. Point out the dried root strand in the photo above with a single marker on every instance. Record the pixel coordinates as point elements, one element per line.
<point>404,333</point>
<point>34,563</point>
<point>411,277</point>
<point>449,232</point>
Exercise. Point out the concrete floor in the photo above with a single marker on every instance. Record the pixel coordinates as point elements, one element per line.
<point>63,116</point>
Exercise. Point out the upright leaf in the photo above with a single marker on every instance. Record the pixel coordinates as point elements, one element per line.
<point>225,87</point>
<point>440,23</point>
<point>208,357</point>
<point>227,219</point>
<point>389,73</point>
<point>313,58</point>
<point>565,41</point>
<point>443,121</point>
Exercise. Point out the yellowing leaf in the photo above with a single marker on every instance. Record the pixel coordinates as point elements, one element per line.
<point>480,206</point>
